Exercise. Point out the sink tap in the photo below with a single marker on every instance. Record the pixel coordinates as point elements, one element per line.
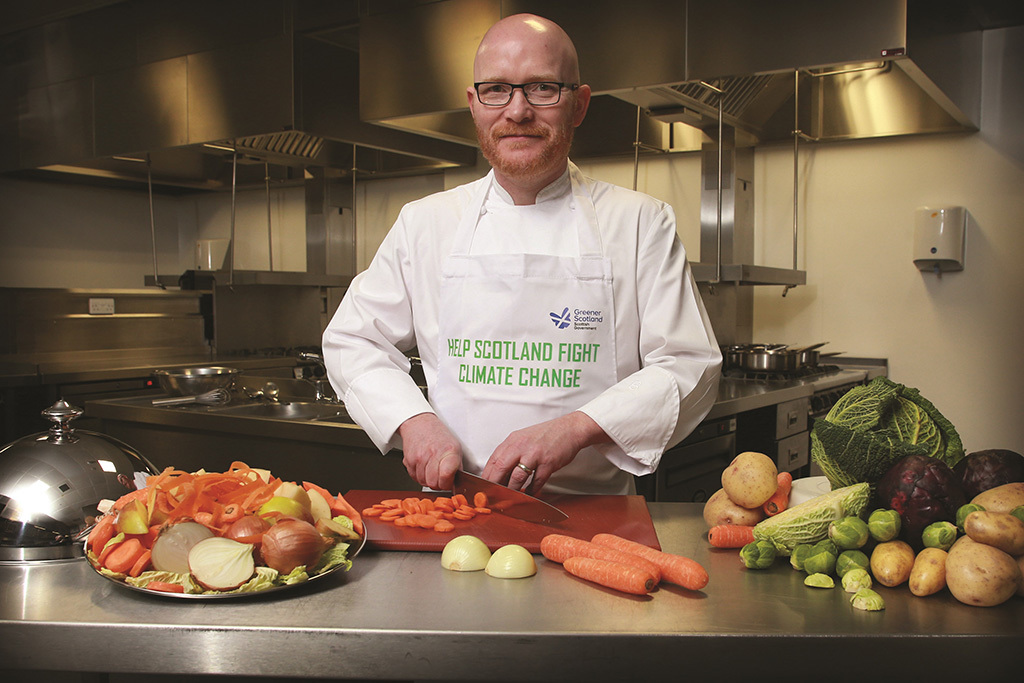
<point>324,390</point>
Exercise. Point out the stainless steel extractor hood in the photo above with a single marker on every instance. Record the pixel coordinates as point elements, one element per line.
<point>130,90</point>
<point>839,70</point>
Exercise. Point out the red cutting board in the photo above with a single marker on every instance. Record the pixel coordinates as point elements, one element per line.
<point>625,516</point>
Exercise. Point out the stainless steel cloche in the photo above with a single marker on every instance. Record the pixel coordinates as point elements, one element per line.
<point>52,482</point>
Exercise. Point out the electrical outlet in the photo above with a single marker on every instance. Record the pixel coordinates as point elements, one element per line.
<point>101,306</point>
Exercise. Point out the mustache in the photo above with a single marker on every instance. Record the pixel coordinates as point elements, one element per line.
<point>532,131</point>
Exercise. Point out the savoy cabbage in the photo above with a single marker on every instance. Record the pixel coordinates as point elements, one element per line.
<point>873,426</point>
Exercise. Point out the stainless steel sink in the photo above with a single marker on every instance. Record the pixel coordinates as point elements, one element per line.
<point>294,410</point>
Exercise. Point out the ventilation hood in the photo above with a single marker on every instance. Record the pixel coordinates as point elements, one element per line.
<point>128,91</point>
<point>835,71</point>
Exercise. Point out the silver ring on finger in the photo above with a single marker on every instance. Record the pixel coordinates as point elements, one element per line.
<point>529,470</point>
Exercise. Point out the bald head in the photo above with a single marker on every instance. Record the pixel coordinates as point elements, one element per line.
<point>526,35</point>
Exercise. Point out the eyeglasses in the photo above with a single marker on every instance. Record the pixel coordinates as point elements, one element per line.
<point>539,93</point>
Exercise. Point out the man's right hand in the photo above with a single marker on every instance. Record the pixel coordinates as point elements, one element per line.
<point>432,453</point>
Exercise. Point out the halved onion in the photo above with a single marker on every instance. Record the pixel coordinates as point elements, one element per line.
<point>170,550</point>
<point>221,564</point>
<point>465,554</point>
<point>511,562</point>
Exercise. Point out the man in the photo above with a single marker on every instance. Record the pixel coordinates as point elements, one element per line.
<point>562,337</point>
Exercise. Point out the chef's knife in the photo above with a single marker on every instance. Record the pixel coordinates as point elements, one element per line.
<point>507,501</point>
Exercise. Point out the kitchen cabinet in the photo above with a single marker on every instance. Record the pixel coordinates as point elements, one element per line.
<point>399,615</point>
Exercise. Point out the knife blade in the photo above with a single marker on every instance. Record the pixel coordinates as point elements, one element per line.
<point>507,501</point>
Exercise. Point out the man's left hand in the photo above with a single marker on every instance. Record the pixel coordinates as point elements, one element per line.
<point>541,450</point>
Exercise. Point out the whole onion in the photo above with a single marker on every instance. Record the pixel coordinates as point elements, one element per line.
<point>291,543</point>
<point>247,529</point>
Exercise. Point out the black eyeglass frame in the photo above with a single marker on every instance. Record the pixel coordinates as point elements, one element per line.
<point>522,86</point>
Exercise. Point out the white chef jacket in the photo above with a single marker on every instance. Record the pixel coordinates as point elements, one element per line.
<point>667,359</point>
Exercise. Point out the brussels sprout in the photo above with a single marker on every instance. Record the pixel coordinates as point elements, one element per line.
<point>855,579</point>
<point>758,555</point>
<point>800,552</point>
<point>821,559</point>
<point>1018,512</point>
<point>939,535</point>
<point>849,533</point>
<point>963,511</point>
<point>884,525</point>
<point>851,559</point>
<point>868,600</point>
<point>819,581</point>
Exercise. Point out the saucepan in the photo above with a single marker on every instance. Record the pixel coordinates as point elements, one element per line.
<point>770,357</point>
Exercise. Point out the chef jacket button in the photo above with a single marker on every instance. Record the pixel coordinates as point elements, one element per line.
<point>483,210</point>
<point>572,205</point>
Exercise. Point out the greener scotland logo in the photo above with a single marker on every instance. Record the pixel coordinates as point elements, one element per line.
<point>561,320</point>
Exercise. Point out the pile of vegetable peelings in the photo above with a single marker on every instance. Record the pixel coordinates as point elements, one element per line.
<point>239,531</point>
<point>907,506</point>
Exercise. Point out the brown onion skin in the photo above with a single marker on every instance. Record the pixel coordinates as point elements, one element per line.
<point>248,529</point>
<point>291,543</point>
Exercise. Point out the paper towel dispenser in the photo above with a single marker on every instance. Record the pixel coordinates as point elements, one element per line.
<point>940,235</point>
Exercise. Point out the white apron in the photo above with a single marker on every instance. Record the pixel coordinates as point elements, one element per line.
<point>525,338</point>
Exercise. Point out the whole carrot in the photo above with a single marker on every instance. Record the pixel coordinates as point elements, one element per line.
<point>780,499</point>
<point>622,577</point>
<point>676,569</point>
<point>730,535</point>
<point>559,548</point>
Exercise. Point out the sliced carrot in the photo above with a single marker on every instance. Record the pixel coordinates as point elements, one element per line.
<point>780,499</point>
<point>391,502</point>
<point>165,587</point>
<point>444,526</point>
<point>458,500</point>
<point>730,535</point>
<point>411,506</point>
<point>230,513</point>
<point>373,512</point>
<point>124,556</point>
<point>424,520</point>
<point>392,515</point>
<point>559,548</point>
<point>426,505</point>
<point>140,564</point>
<point>482,510</point>
<point>138,494</point>
<point>102,532</point>
<point>108,548</point>
<point>464,516</point>
<point>676,569</point>
<point>479,499</point>
<point>401,521</point>
<point>621,577</point>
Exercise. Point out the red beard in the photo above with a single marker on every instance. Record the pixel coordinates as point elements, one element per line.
<point>556,148</point>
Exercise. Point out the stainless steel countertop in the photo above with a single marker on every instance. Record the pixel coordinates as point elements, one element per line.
<point>399,615</point>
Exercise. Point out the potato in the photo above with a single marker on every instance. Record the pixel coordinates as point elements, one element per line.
<point>928,575</point>
<point>978,574</point>
<point>750,479</point>
<point>997,529</point>
<point>721,510</point>
<point>891,562</point>
<point>1001,498</point>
